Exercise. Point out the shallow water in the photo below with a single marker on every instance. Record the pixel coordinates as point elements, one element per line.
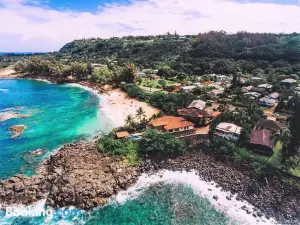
<point>58,114</point>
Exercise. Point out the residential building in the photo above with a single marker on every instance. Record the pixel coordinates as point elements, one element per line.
<point>274,95</point>
<point>141,74</point>
<point>223,79</point>
<point>214,93</point>
<point>266,86</point>
<point>253,95</point>
<point>247,89</point>
<point>178,126</point>
<point>258,90</point>
<point>228,131</point>
<point>288,82</point>
<point>187,89</point>
<point>199,104</point>
<point>269,125</point>
<point>122,134</point>
<point>255,79</point>
<point>269,102</point>
<point>260,141</point>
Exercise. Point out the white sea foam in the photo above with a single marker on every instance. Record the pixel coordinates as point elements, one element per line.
<point>4,90</point>
<point>232,208</point>
<point>44,80</point>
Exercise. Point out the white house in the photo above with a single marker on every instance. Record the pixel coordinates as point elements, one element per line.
<point>266,86</point>
<point>228,131</point>
<point>187,89</point>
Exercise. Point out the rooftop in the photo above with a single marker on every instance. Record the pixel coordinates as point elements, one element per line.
<point>229,127</point>
<point>268,86</point>
<point>199,104</point>
<point>122,134</point>
<point>170,122</point>
<point>270,124</point>
<point>262,137</point>
<point>274,95</point>
<point>288,81</point>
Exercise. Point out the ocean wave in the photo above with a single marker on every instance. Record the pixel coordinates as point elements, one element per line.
<point>4,90</point>
<point>232,208</point>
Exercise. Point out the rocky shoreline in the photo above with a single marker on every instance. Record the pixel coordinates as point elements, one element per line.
<point>269,195</point>
<point>76,175</point>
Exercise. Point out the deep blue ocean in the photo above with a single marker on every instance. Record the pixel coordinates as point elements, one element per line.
<point>59,114</point>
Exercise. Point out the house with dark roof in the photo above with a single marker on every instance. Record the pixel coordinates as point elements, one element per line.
<point>260,141</point>
<point>197,116</point>
<point>178,126</point>
<point>269,125</point>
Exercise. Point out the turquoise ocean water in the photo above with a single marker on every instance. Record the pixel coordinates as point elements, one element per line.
<point>60,114</point>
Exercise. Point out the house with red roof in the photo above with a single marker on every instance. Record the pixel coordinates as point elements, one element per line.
<point>178,126</point>
<point>261,142</point>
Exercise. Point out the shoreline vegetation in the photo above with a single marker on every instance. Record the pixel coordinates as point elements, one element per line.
<point>235,76</point>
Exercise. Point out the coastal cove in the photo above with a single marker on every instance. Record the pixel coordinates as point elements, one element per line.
<point>145,193</point>
<point>46,110</point>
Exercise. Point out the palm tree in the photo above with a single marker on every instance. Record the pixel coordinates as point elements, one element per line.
<point>129,121</point>
<point>140,113</point>
<point>284,137</point>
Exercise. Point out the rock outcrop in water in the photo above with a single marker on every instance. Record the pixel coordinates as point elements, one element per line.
<point>17,130</point>
<point>77,175</point>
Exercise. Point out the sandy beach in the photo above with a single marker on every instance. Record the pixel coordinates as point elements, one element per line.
<point>8,73</point>
<point>116,105</point>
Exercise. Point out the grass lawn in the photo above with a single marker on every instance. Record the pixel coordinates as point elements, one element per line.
<point>276,158</point>
<point>154,83</point>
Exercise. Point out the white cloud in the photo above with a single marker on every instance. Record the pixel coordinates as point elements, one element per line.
<point>34,28</point>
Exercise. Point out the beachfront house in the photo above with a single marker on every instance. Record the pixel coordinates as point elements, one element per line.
<point>178,126</point>
<point>288,82</point>
<point>261,142</point>
<point>268,102</point>
<point>228,131</point>
<point>122,134</point>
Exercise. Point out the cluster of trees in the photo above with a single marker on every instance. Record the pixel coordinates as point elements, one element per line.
<point>80,71</point>
<point>213,52</point>
<point>153,142</point>
<point>168,103</point>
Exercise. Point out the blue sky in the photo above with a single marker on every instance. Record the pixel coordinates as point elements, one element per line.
<point>46,25</point>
